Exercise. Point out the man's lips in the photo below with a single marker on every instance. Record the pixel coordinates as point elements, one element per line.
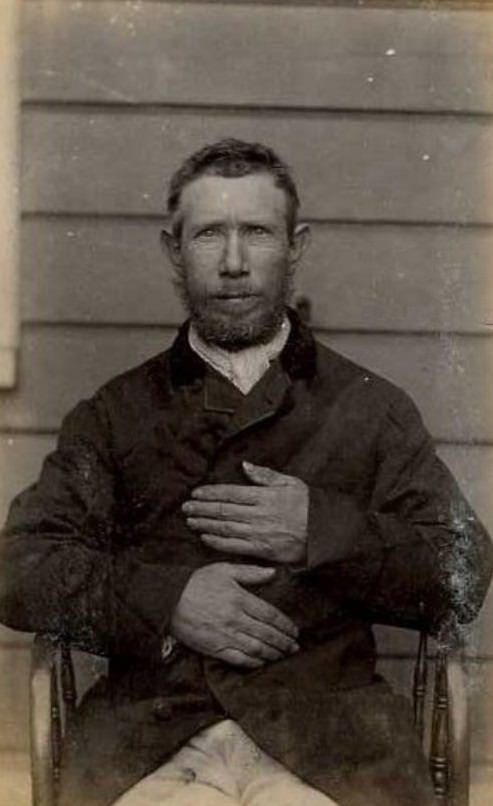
<point>236,301</point>
<point>236,295</point>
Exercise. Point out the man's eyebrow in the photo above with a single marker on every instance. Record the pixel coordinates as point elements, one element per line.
<point>255,220</point>
<point>260,222</point>
<point>207,222</point>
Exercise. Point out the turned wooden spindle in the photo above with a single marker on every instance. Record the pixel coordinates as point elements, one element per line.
<point>439,764</point>
<point>67,679</point>
<point>56,728</point>
<point>420,683</point>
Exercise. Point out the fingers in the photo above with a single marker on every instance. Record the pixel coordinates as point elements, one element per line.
<point>219,510</point>
<point>244,493</point>
<point>265,475</point>
<point>268,614</point>
<point>255,648</point>
<point>229,493</point>
<point>234,545</point>
<point>270,635</point>
<point>250,574</point>
<point>238,658</point>
<point>221,528</point>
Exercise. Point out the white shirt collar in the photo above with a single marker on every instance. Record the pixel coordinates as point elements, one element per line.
<point>243,368</point>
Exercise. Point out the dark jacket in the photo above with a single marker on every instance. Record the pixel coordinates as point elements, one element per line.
<point>98,552</point>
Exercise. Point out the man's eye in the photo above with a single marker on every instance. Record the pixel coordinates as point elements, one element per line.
<point>257,229</point>
<point>208,232</point>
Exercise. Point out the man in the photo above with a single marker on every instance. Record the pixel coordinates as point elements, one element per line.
<point>226,521</point>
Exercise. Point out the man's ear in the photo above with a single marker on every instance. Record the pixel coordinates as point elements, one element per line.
<point>171,247</point>
<point>300,240</point>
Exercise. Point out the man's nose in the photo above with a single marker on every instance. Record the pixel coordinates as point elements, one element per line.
<point>234,261</point>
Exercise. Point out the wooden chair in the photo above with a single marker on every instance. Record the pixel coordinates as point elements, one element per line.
<point>53,701</point>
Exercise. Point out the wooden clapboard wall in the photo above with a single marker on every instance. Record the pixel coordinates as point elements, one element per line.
<point>384,111</point>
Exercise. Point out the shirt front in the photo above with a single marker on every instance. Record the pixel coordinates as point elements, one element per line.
<point>243,368</point>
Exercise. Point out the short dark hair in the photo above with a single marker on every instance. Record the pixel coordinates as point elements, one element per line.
<point>234,158</point>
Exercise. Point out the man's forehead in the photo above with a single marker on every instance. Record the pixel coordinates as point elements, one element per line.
<point>254,194</point>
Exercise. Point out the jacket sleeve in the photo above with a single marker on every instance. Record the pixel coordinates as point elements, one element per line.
<point>417,555</point>
<point>61,568</point>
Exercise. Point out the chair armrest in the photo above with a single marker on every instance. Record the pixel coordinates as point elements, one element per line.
<point>459,729</point>
<point>45,728</point>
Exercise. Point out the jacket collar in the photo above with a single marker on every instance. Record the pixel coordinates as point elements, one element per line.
<point>298,358</point>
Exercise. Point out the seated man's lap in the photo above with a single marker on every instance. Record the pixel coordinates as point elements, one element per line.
<point>117,742</point>
<point>222,766</point>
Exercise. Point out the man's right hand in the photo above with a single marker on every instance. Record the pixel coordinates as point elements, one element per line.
<point>216,616</point>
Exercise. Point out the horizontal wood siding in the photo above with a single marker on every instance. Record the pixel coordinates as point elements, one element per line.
<point>259,56</point>
<point>348,166</point>
<point>15,785</point>
<point>14,700</point>
<point>386,116</point>
<point>21,456</point>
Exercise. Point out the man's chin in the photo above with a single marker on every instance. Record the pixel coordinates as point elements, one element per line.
<point>234,331</point>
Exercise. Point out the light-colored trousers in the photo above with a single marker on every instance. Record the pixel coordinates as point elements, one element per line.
<point>221,766</point>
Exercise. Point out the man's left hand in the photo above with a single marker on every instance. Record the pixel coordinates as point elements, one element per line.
<point>267,519</point>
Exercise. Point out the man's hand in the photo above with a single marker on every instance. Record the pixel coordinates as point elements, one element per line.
<point>216,616</point>
<point>266,520</point>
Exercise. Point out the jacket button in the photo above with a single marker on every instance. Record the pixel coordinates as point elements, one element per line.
<point>161,708</point>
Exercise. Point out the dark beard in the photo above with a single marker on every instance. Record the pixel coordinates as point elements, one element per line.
<point>230,332</point>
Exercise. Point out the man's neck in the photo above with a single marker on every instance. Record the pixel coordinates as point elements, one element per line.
<point>245,367</point>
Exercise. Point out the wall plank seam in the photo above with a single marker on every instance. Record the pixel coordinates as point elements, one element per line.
<point>116,107</point>
<point>409,5</point>
<point>151,107</point>
<point>115,216</point>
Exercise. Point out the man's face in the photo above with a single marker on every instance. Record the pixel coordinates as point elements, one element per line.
<point>235,260</point>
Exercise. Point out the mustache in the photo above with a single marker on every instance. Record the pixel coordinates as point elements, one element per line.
<point>224,291</point>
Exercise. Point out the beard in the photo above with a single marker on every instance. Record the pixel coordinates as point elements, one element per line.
<point>234,330</point>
